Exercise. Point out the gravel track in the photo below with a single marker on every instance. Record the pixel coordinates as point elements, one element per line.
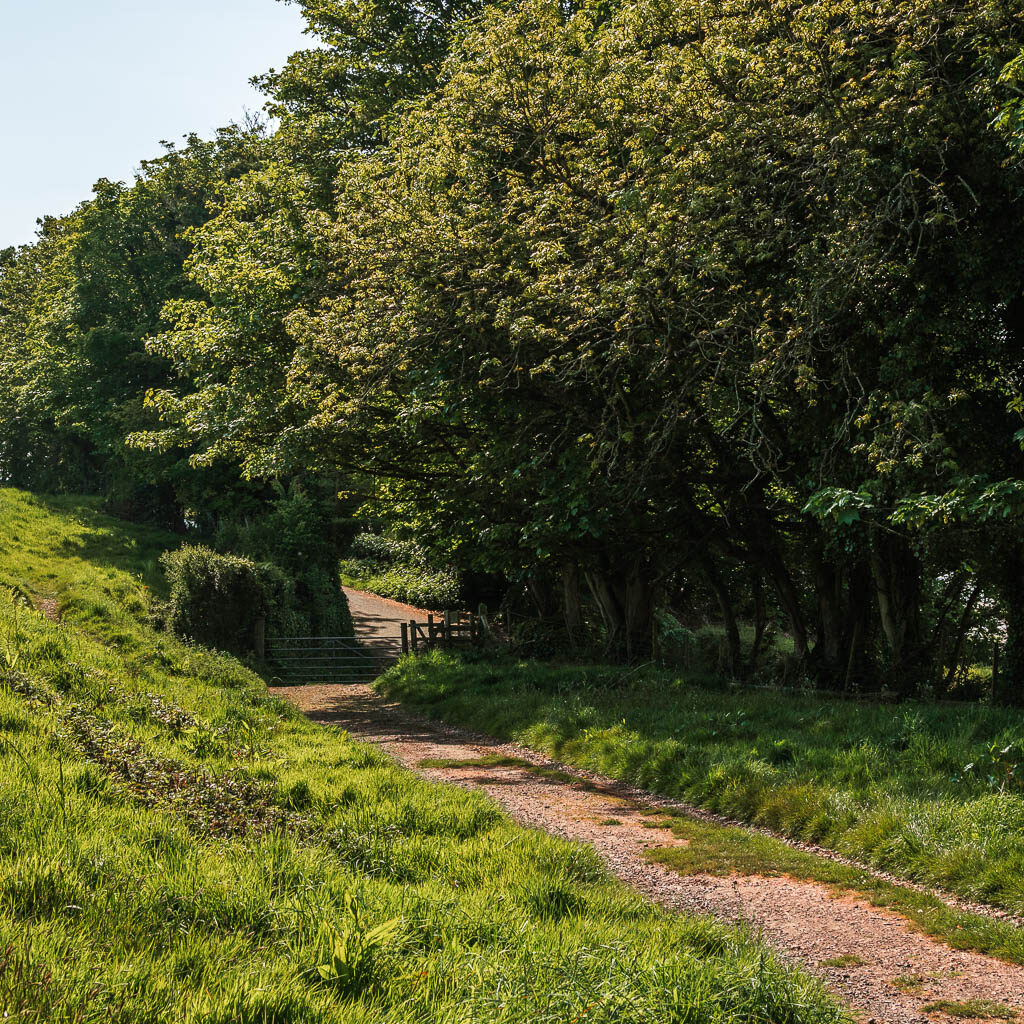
<point>807,922</point>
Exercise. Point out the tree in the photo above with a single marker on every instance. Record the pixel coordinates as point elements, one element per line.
<point>333,99</point>
<point>264,257</point>
<point>659,275</point>
<point>642,292</point>
<point>77,309</point>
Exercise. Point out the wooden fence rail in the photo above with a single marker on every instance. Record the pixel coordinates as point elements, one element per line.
<point>452,629</point>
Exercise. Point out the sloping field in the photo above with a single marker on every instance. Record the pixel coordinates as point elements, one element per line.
<point>177,845</point>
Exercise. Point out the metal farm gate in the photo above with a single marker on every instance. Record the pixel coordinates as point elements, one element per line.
<point>331,659</point>
<point>298,660</point>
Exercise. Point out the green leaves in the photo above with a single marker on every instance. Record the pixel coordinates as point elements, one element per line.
<point>673,291</point>
<point>353,951</point>
<point>1010,110</point>
<point>1000,769</point>
<point>843,506</point>
<point>76,309</point>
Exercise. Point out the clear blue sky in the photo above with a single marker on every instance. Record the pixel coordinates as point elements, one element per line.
<point>88,88</point>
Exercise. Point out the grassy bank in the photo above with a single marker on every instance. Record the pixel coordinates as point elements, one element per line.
<point>887,785</point>
<point>177,845</point>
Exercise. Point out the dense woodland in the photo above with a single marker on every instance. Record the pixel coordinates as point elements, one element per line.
<point>710,307</point>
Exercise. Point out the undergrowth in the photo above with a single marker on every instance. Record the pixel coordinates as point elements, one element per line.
<point>399,570</point>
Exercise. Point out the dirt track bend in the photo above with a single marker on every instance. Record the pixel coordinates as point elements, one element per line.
<point>804,920</point>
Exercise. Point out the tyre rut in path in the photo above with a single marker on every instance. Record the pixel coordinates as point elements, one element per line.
<point>806,921</point>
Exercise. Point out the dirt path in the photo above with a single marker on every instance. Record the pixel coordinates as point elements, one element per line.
<point>805,920</point>
<point>377,618</point>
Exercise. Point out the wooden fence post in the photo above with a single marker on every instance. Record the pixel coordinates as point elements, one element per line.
<point>405,637</point>
<point>447,628</point>
<point>415,638</point>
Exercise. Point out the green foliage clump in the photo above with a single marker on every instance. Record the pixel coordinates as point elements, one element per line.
<point>422,588</point>
<point>381,550</point>
<point>75,309</point>
<point>400,570</point>
<point>215,600</point>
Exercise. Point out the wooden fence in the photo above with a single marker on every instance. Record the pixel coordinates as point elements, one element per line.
<point>452,629</point>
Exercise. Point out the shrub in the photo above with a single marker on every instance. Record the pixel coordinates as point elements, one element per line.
<point>399,569</point>
<point>381,551</point>
<point>216,599</point>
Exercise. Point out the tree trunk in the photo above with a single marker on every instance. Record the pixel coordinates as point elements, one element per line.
<point>732,633</point>
<point>789,599</point>
<point>608,606</point>
<point>860,670</point>
<point>1009,687</point>
<point>958,643</point>
<point>828,650</point>
<point>542,593</point>
<point>571,607</point>
<point>760,617</point>
<point>639,602</point>
<point>625,597</point>
<point>897,575</point>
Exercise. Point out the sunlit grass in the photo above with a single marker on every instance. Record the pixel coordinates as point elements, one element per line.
<point>972,1009</point>
<point>176,845</point>
<point>882,784</point>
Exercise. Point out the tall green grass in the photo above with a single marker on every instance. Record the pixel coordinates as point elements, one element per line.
<point>177,845</point>
<point>884,784</point>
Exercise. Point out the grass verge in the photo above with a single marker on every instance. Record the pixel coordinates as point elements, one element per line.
<point>713,849</point>
<point>724,850</point>
<point>177,845</point>
<point>883,785</point>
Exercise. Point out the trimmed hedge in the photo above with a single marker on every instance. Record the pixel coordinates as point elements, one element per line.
<point>215,600</point>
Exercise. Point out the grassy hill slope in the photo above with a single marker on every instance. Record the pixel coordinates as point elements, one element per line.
<point>177,845</point>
